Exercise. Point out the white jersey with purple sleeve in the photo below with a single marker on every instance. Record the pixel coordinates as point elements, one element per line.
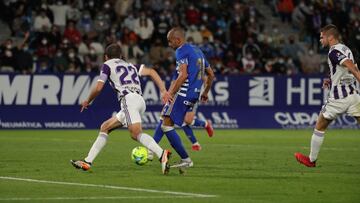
<point>343,83</point>
<point>122,76</point>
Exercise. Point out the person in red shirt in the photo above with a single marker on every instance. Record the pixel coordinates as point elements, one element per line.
<point>72,34</point>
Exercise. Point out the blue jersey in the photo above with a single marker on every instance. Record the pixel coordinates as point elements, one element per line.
<point>196,63</point>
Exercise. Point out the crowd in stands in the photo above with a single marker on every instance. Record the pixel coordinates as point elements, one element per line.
<point>69,36</point>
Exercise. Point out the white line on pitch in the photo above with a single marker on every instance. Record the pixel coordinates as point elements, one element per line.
<point>90,198</point>
<point>107,186</point>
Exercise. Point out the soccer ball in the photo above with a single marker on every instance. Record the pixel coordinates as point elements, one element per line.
<point>139,155</point>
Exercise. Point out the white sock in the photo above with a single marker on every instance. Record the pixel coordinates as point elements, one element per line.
<point>150,143</point>
<point>99,143</point>
<point>316,142</point>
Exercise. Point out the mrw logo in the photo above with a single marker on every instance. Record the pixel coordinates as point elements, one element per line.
<point>261,91</point>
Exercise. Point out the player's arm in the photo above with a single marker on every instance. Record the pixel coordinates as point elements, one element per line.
<point>352,68</point>
<point>95,91</point>
<point>175,86</point>
<point>209,80</point>
<point>146,71</point>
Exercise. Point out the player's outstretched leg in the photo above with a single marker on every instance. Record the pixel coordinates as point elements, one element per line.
<point>316,141</point>
<point>98,145</point>
<point>146,140</point>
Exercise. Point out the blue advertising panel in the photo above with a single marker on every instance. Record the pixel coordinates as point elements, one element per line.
<point>53,102</point>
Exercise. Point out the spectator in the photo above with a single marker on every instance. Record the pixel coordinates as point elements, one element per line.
<point>122,7</point>
<point>207,49</point>
<point>194,33</point>
<point>251,47</point>
<point>285,8</point>
<point>144,28</point>
<point>292,50</point>
<point>129,22</point>
<point>42,22</point>
<point>192,15</point>
<point>248,63</point>
<point>8,56</point>
<point>72,34</point>
<point>131,52</point>
<point>59,10</point>
<point>86,24</point>
<point>157,52</point>
<point>205,32</point>
<point>74,62</point>
<point>24,60</point>
<point>60,62</point>
<point>310,62</point>
<point>45,50</point>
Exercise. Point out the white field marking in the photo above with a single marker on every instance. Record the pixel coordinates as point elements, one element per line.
<point>90,198</point>
<point>108,187</point>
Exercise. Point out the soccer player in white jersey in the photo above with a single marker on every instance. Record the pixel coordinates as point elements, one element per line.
<point>124,79</point>
<point>343,97</point>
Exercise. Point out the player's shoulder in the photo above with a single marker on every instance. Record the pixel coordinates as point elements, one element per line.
<point>342,48</point>
<point>115,62</point>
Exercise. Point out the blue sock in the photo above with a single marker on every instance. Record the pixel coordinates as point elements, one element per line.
<point>189,133</point>
<point>158,134</point>
<point>199,123</point>
<point>176,143</point>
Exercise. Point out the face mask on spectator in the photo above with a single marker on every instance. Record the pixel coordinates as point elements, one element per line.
<point>202,27</point>
<point>193,27</point>
<point>9,46</point>
<point>44,41</point>
<point>191,7</point>
<point>281,61</point>
<point>106,6</point>
<point>71,54</point>
<point>162,17</point>
<point>8,53</point>
<point>25,48</point>
<point>205,17</point>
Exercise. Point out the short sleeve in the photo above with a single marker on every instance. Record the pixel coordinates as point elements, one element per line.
<point>104,73</point>
<point>337,57</point>
<point>181,57</point>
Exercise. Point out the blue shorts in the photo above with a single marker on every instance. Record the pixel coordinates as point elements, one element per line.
<point>178,108</point>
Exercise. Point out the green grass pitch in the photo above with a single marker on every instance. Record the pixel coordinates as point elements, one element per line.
<point>233,166</point>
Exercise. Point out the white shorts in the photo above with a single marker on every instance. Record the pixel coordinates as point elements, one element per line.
<point>349,105</point>
<point>132,108</point>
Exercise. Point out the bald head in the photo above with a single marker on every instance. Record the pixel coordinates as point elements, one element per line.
<point>176,37</point>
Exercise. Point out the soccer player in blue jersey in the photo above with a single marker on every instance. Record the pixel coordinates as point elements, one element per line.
<point>184,91</point>
<point>189,121</point>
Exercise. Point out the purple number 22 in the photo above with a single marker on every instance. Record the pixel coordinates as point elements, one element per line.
<point>124,73</point>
